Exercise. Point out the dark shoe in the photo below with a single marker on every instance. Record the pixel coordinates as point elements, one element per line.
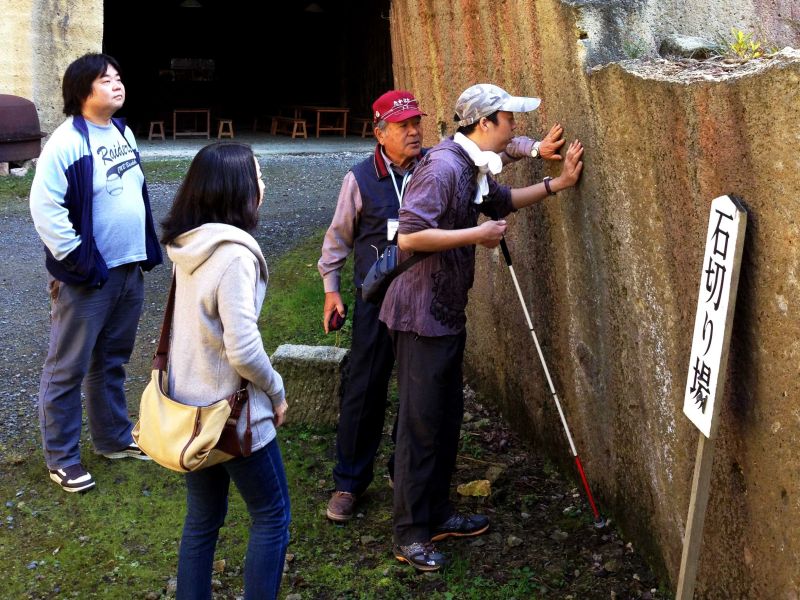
<point>459,525</point>
<point>341,506</point>
<point>421,556</point>
<point>130,451</point>
<point>73,478</point>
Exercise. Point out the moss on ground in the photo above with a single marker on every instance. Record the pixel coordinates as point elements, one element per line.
<point>14,191</point>
<point>293,308</point>
<point>166,171</point>
<point>121,539</point>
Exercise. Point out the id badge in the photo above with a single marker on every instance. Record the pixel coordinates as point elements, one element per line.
<point>391,228</point>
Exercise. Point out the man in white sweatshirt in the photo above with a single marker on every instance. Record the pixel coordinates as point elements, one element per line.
<point>90,206</point>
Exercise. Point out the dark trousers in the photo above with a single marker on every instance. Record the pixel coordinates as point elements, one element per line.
<point>363,405</point>
<point>429,377</point>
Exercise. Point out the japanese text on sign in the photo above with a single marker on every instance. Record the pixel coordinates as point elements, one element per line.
<point>713,319</point>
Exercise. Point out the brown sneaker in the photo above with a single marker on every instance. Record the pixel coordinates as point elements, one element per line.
<point>340,506</point>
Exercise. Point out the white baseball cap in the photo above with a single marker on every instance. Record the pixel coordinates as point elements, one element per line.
<point>482,99</point>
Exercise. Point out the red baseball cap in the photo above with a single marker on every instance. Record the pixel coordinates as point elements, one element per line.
<point>395,106</point>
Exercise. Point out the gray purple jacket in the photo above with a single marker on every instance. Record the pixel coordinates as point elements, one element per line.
<point>430,298</point>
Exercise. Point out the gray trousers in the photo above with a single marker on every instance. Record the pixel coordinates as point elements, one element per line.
<point>91,337</point>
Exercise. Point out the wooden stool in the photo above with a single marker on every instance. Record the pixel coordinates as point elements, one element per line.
<point>299,128</point>
<point>282,124</point>
<point>225,129</point>
<point>156,130</point>
<point>362,126</point>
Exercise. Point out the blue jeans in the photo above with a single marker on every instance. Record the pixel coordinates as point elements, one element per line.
<point>261,481</point>
<point>92,333</point>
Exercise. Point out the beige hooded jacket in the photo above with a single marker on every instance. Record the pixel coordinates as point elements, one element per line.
<point>220,287</point>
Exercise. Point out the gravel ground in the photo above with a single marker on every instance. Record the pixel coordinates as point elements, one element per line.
<point>303,179</point>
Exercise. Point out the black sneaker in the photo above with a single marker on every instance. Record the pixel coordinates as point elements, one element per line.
<point>132,450</point>
<point>73,478</point>
<point>459,525</point>
<point>421,556</point>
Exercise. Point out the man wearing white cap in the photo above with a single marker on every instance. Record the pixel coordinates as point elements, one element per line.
<point>424,307</point>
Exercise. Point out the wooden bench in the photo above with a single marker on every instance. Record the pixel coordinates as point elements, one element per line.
<point>362,126</point>
<point>289,126</point>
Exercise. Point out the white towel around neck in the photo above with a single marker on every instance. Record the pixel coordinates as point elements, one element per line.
<point>486,161</point>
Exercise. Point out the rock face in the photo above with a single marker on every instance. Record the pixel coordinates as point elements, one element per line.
<point>38,39</point>
<point>312,377</point>
<point>611,271</point>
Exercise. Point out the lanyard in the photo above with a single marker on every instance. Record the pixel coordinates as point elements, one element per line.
<point>402,189</point>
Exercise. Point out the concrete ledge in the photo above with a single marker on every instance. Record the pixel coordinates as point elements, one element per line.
<point>312,376</point>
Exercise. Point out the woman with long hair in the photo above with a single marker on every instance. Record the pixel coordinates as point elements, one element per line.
<point>221,280</point>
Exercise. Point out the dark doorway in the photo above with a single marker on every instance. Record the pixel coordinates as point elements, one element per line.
<point>248,59</point>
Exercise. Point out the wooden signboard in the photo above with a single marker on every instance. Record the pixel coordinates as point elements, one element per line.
<point>705,383</point>
<point>716,302</point>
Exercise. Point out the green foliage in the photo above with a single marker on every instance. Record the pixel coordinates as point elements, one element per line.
<point>470,445</point>
<point>15,189</point>
<point>464,584</point>
<point>292,311</point>
<point>120,540</point>
<point>744,46</point>
<point>102,544</point>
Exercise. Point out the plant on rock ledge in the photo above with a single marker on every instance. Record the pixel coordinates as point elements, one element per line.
<point>744,46</point>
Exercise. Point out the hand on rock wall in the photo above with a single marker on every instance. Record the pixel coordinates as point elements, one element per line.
<point>552,142</point>
<point>523,146</point>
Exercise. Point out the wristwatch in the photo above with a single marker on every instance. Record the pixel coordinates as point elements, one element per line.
<point>535,150</point>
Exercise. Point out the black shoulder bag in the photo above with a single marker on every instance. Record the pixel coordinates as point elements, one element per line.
<point>384,271</point>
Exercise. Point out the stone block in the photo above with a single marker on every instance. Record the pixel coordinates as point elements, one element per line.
<point>312,376</point>
<point>685,46</point>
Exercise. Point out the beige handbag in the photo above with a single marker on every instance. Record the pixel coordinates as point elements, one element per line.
<point>182,437</point>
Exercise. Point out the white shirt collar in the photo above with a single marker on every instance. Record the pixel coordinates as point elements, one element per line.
<point>486,161</point>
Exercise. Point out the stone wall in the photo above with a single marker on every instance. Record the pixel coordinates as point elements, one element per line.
<point>611,271</point>
<point>38,39</point>
<point>621,28</point>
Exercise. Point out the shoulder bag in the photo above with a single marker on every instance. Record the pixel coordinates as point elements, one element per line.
<point>182,437</point>
<point>384,271</point>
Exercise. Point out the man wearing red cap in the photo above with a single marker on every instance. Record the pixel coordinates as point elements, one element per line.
<point>364,222</point>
